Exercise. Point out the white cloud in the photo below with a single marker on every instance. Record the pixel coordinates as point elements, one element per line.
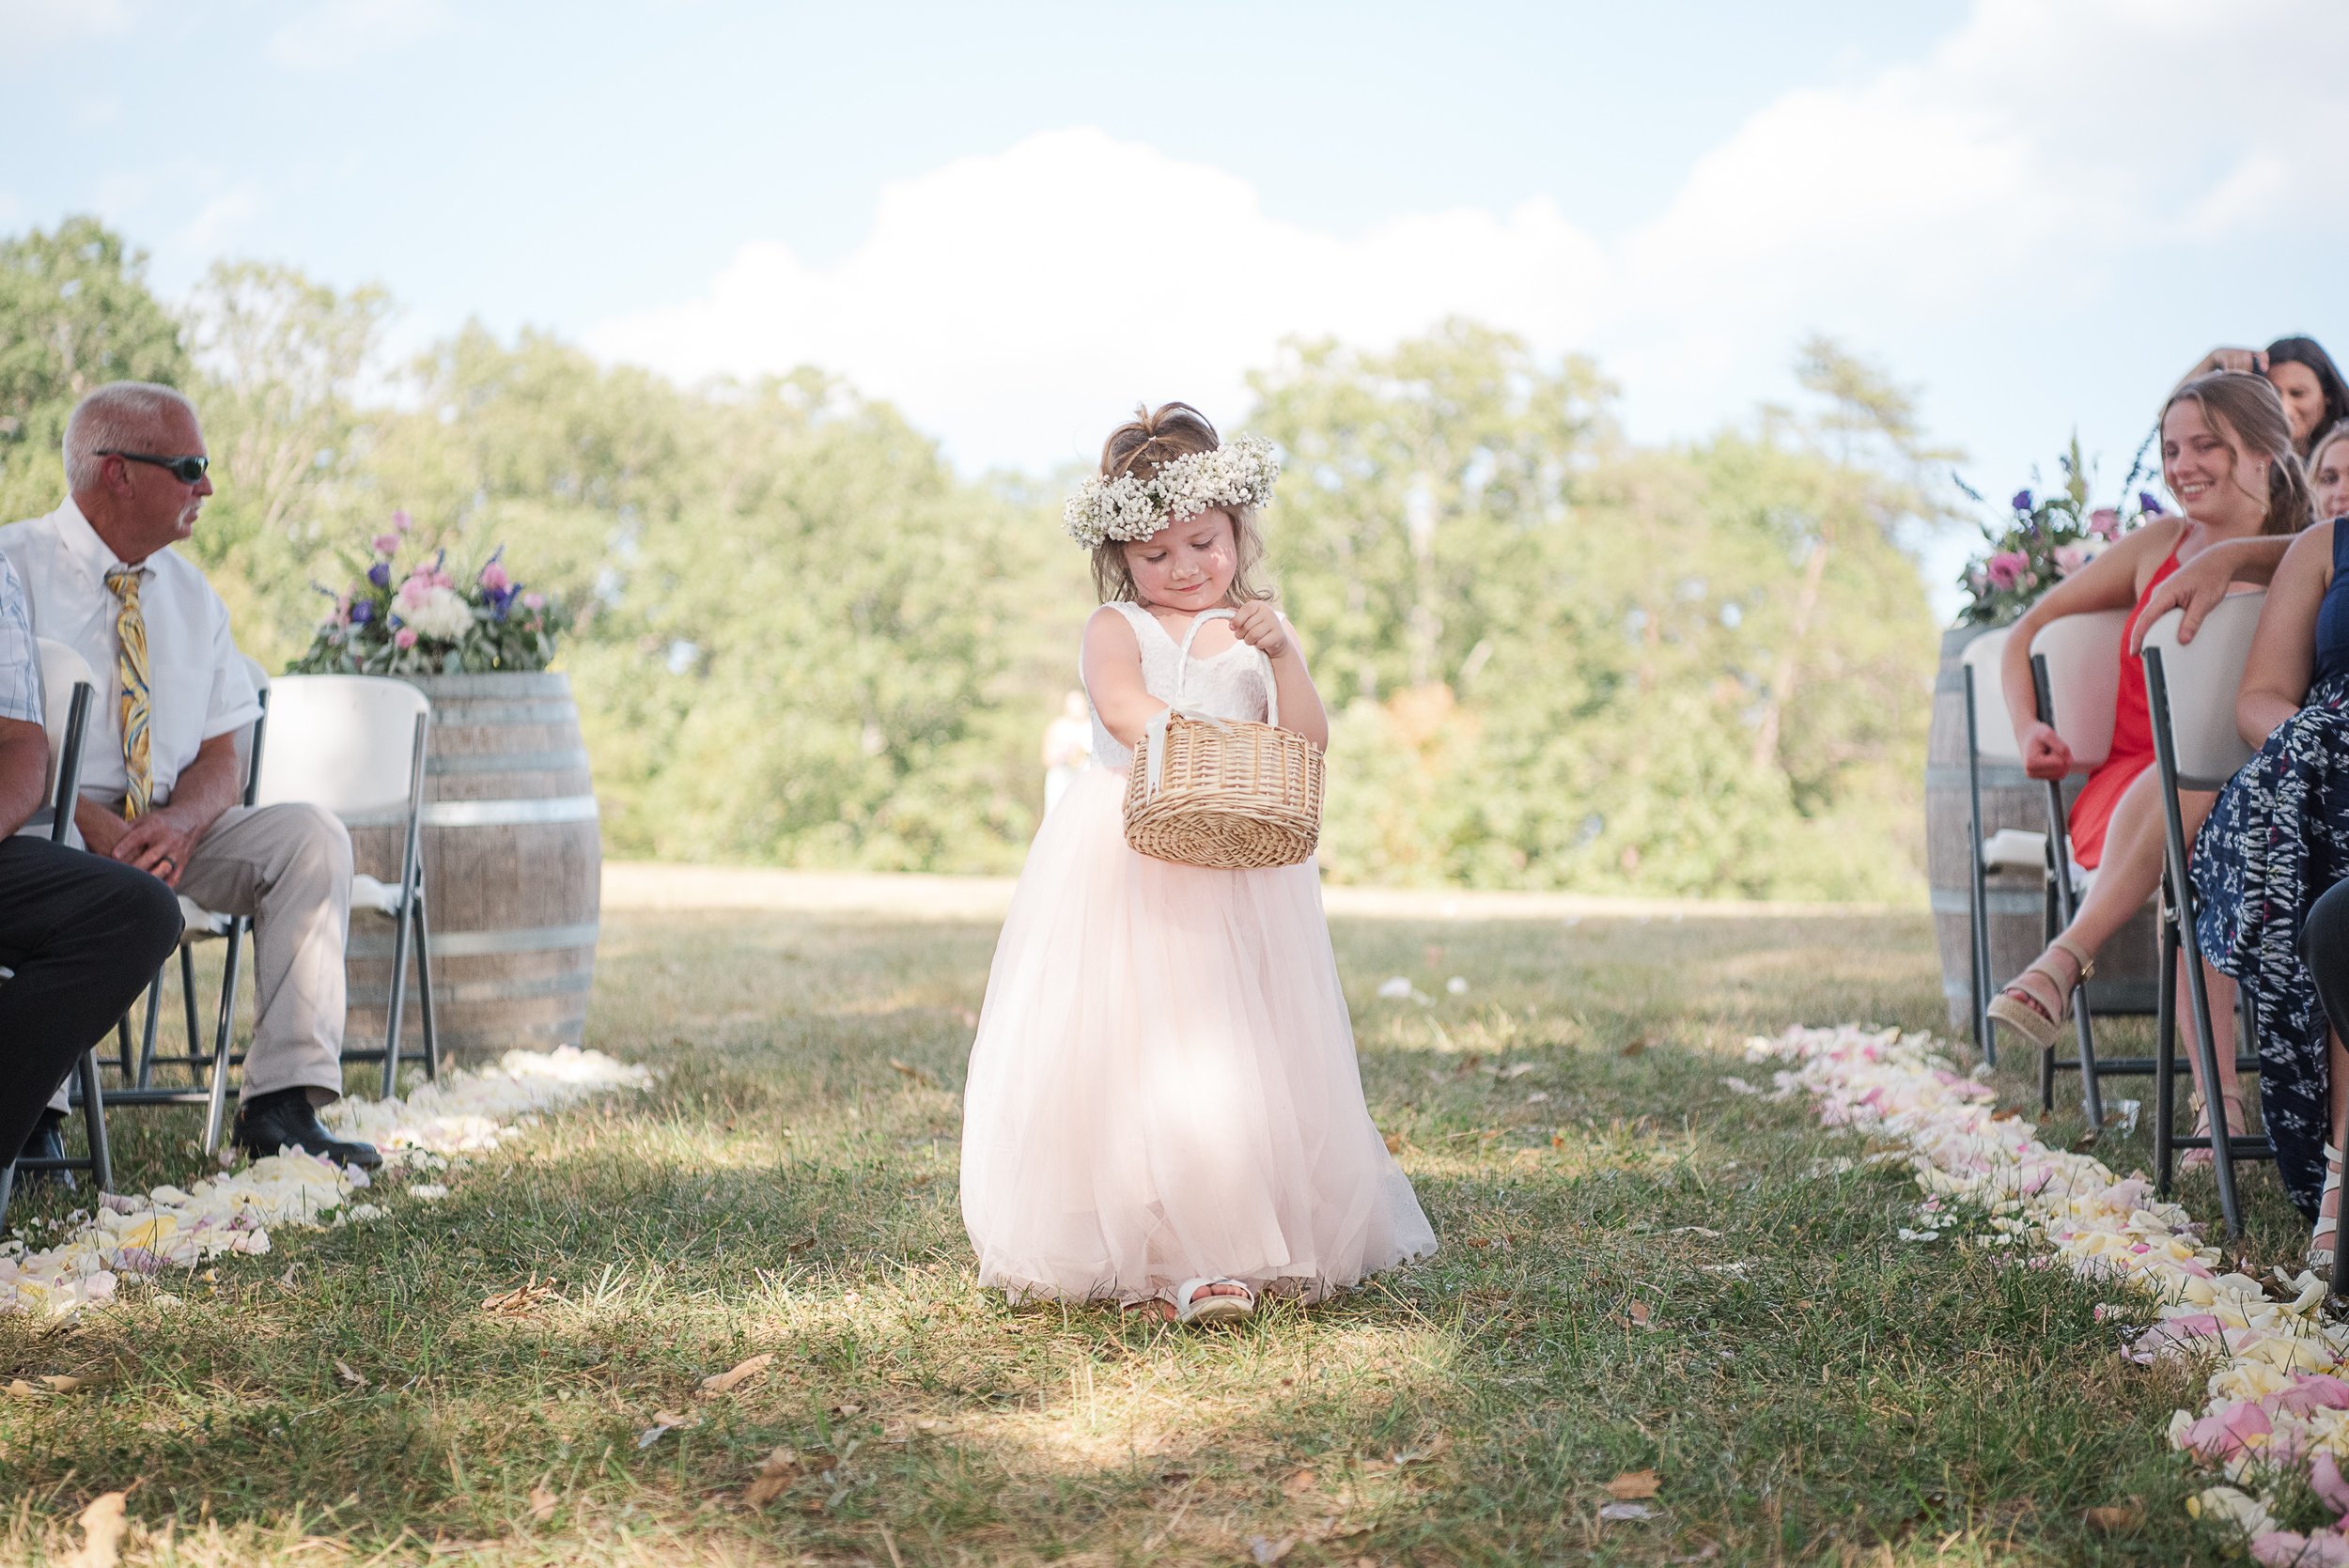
<point>1017,303</point>
<point>28,24</point>
<point>339,32</point>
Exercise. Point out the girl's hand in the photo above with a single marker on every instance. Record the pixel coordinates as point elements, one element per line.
<point>1258,625</point>
<point>2045,755</point>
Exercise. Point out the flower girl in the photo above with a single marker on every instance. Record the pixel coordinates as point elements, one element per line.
<point>1163,1106</point>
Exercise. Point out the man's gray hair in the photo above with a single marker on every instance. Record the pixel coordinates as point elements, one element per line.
<point>120,416</point>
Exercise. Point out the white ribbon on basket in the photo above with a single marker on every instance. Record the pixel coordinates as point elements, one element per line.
<point>1155,731</point>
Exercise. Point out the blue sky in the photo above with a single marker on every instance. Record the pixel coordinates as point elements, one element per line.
<point>1014,220</point>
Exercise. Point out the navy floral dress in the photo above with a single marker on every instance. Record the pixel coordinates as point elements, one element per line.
<point>2275,840</point>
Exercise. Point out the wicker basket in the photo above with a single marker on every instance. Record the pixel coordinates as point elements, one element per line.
<point>1224,793</point>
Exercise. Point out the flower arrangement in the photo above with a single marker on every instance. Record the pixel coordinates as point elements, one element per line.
<point>1239,473</point>
<point>422,621</point>
<point>2045,538</point>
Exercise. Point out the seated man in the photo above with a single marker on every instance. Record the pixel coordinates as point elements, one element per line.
<point>161,776</point>
<point>83,935</point>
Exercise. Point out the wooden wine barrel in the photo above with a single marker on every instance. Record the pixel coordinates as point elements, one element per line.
<point>2009,798</point>
<point>513,872</point>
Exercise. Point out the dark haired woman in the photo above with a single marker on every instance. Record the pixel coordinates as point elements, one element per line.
<point>2276,839</point>
<point>2304,376</point>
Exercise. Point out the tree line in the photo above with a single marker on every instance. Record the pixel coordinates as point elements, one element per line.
<point>1555,657</point>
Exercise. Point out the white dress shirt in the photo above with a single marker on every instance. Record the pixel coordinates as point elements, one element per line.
<point>197,684</point>
<point>19,656</point>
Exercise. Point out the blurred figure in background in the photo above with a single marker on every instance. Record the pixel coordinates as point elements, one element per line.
<point>2329,471</point>
<point>2304,376</point>
<point>1068,746</point>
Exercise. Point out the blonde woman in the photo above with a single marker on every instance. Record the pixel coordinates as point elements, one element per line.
<point>2227,456</point>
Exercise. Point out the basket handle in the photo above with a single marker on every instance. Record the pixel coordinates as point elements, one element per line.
<point>1263,666</point>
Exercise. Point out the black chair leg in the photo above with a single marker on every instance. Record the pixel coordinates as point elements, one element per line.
<point>2165,1056</point>
<point>216,1109</point>
<point>101,1163</point>
<point>147,1037</point>
<point>424,992</point>
<point>187,1005</point>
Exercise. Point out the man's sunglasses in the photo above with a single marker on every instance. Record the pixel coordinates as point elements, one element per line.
<point>186,470</point>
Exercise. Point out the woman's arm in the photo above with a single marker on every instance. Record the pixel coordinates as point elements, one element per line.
<point>2202,583</point>
<point>2283,649</point>
<point>1112,666</point>
<point>2108,583</point>
<point>2250,361</point>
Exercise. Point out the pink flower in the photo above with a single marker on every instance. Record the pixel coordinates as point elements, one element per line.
<point>405,637</point>
<point>2105,522</point>
<point>400,521</point>
<point>2007,568</point>
<point>494,579</point>
<point>533,601</point>
<point>387,544</point>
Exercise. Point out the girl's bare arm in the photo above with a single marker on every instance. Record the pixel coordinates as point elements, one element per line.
<point>2283,649</point>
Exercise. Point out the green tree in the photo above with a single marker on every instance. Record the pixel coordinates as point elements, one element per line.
<point>279,362</point>
<point>75,312</point>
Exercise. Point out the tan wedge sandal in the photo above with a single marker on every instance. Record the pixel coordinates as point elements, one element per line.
<point>2020,1011</point>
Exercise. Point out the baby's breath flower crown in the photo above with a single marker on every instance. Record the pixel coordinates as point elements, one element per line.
<point>1239,474</point>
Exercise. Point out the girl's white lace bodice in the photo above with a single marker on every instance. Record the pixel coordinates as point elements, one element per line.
<point>1230,684</point>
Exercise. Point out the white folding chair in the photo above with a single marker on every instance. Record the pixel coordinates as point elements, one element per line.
<point>68,688</point>
<point>355,745</point>
<point>199,926</point>
<point>2190,692</point>
<point>2075,674</point>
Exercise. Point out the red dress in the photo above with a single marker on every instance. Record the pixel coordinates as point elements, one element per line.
<point>2132,743</point>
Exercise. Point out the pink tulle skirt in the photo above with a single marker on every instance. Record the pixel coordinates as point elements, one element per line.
<point>1164,1085</point>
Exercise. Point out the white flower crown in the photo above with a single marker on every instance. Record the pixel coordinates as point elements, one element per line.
<point>1239,474</point>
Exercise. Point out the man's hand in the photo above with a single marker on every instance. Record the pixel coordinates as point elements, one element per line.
<point>1258,625</point>
<point>2045,755</point>
<point>102,830</point>
<point>157,843</point>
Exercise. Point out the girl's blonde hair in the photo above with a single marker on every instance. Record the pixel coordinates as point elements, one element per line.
<point>2249,413</point>
<point>1152,438</point>
<point>2337,431</point>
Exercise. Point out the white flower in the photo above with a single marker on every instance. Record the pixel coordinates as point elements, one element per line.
<point>1237,475</point>
<point>442,614</point>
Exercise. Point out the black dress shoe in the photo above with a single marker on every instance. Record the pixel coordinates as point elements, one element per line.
<point>45,1142</point>
<point>268,1123</point>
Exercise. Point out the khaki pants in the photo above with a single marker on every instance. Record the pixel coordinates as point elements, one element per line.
<point>288,867</point>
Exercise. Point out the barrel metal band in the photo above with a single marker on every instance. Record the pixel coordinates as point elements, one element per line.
<point>484,814</point>
<point>574,760</point>
<point>478,944</point>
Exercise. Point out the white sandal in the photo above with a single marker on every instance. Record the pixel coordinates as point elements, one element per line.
<point>2327,1225</point>
<point>1190,1307</point>
<point>2019,1011</point>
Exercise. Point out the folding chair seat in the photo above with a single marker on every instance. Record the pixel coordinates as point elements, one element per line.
<point>68,688</point>
<point>2190,692</point>
<point>355,745</point>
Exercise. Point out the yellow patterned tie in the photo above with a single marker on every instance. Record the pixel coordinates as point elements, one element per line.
<point>130,632</point>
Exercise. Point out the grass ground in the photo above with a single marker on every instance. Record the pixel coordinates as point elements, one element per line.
<point>1806,1387</point>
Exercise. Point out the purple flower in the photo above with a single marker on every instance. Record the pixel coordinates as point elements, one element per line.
<point>362,612</point>
<point>380,574</point>
<point>2022,501</point>
<point>2149,503</point>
